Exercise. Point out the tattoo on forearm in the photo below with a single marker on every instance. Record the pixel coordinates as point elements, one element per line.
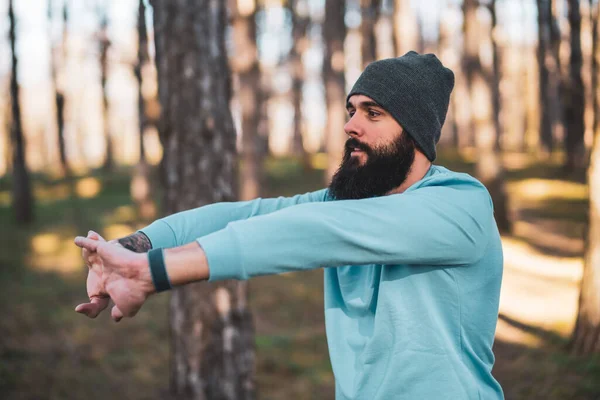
<point>137,242</point>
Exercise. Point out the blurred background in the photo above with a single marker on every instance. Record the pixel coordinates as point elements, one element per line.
<point>115,113</point>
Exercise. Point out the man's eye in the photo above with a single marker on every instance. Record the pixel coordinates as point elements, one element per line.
<point>373,114</point>
<point>351,113</point>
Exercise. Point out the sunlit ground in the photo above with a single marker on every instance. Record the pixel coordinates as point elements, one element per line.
<point>48,351</point>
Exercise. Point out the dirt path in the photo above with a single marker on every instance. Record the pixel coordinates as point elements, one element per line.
<point>538,290</point>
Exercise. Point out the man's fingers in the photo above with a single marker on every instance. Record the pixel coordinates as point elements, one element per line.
<point>95,236</point>
<point>94,307</point>
<point>116,314</point>
<point>88,244</point>
<point>89,309</point>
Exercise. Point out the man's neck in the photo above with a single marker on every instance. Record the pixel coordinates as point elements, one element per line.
<point>418,170</point>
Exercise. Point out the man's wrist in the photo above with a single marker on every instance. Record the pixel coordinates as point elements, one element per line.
<point>158,270</point>
<point>137,242</point>
<point>144,274</point>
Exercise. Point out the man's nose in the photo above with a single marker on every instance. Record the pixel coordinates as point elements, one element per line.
<point>352,127</point>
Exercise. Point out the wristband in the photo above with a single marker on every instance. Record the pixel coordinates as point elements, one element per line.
<point>156,259</point>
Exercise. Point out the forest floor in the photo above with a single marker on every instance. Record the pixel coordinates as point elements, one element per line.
<point>47,351</point>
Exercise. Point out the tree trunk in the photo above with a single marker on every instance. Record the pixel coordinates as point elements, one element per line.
<point>334,32</point>
<point>574,94</point>
<point>140,183</point>
<point>300,23</point>
<point>544,39</point>
<point>450,130</point>
<point>59,98</point>
<point>557,78</point>
<point>496,75</point>
<point>370,16</point>
<point>245,65</point>
<point>104,46</point>
<point>586,336</point>
<point>595,15</point>
<point>143,58</point>
<point>489,167</point>
<point>405,27</point>
<point>22,200</point>
<point>211,325</point>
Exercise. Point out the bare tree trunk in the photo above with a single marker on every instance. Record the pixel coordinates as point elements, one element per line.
<point>59,97</point>
<point>586,336</point>
<point>558,80</point>
<point>211,325</point>
<point>245,65</point>
<point>405,27</point>
<point>544,39</point>
<point>22,200</point>
<point>370,16</point>
<point>334,31</point>
<point>496,75</point>
<point>300,23</point>
<point>489,167</point>
<point>575,94</point>
<point>143,59</point>
<point>140,183</point>
<point>104,47</point>
<point>595,15</point>
<point>445,50</point>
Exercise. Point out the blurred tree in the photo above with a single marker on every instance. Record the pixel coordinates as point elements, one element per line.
<point>300,24</point>
<point>447,53</point>
<point>557,77</point>
<point>489,167</point>
<point>104,43</point>
<point>370,10</point>
<point>245,64</point>
<point>140,183</point>
<point>334,33</point>
<point>545,111</point>
<point>586,336</point>
<point>22,199</point>
<point>59,97</point>
<point>143,58</point>
<point>212,340</point>
<point>496,75</point>
<point>549,73</point>
<point>406,27</point>
<point>594,16</point>
<point>574,96</point>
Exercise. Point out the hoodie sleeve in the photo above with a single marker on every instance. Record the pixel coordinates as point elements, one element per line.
<point>432,225</point>
<point>184,227</point>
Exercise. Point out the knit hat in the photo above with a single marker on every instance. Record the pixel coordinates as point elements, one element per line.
<point>415,89</point>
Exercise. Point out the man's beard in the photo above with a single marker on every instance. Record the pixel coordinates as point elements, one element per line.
<point>385,169</point>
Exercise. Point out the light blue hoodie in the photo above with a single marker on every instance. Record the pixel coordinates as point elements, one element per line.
<point>412,280</point>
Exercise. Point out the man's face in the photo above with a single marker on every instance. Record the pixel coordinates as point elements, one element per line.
<point>378,155</point>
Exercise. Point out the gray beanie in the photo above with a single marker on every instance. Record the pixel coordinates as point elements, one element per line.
<point>415,89</point>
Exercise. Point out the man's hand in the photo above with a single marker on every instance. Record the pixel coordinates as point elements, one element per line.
<point>115,272</point>
<point>96,292</point>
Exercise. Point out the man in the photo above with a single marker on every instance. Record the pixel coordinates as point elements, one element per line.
<point>411,253</point>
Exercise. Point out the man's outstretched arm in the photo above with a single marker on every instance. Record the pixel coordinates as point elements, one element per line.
<point>181,228</point>
<point>431,226</point>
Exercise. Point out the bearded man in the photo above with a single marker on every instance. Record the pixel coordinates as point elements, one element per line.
<point>411,253</point>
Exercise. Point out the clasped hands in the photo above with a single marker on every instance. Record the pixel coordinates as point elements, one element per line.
<point>114,273</point>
